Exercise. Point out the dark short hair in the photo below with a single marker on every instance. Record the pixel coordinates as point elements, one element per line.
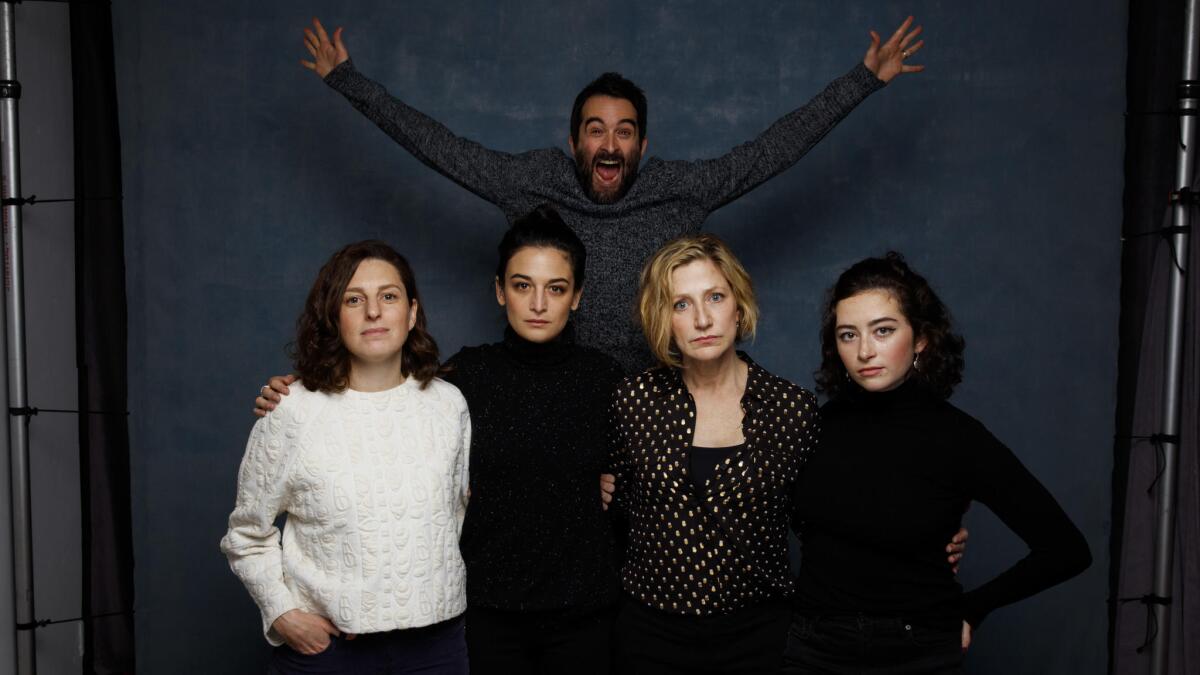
<point>941,362</point>
<point>616,86</point>
<point>542,228</point>
<point>319,356</point>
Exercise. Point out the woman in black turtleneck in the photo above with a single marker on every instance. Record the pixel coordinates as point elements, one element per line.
<point>897,466</point>
<point>541,579</point>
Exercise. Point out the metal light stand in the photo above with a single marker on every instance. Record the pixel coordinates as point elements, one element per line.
<point>17,421</point>
<point>1184,201</point>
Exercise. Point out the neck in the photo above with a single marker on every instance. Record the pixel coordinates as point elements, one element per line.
<point>726,371</point>
<point>381,376</point>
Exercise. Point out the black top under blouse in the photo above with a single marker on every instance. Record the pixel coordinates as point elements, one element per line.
<point>703,463</point>
<point>713,553</point>
<point>887,490</point>
<point>535,536</point>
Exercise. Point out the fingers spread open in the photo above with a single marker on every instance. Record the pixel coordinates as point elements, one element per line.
<point>911,36</point>
<point>325,36</point>
<point>902,29</point>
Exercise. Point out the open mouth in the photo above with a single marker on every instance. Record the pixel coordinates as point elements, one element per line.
<point>608,169</point>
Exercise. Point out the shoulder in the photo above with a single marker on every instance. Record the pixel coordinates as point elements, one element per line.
<point>644,390</point>
<point>781,392</point>
<point>647,382</point>
<point>597,362</point>
<point>470,360</point>
<point>546,159</point>
<point>300,403</point>
<point>959,422</point>
<point>442,393</point>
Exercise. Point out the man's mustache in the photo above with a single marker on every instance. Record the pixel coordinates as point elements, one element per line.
<point>604,155</point>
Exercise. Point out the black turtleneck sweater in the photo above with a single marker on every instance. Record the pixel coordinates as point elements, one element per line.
<point>886,490</point>
<point>535,536</point>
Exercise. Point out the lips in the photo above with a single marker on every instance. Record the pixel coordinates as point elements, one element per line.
<point>705,339</point>
<point>607,167</point>
<point>869,372</point>
<point>375,331</point>
<point>536,322</point>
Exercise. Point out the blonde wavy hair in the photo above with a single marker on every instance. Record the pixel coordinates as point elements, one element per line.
<point>655,296</point>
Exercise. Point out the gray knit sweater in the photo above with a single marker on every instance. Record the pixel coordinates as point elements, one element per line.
<point>668,199</point>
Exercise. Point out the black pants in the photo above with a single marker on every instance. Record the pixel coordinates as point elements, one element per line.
<point>430,650</point>
<point>539,643</point>
<point>748,641</point>
<point>864,645</point>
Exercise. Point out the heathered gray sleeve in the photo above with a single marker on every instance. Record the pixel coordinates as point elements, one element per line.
<point>493,175</point>
<point>716,182</point>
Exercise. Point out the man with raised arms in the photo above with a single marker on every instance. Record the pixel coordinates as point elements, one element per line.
<point>621,209</point>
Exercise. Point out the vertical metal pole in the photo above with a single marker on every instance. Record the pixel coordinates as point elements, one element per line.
<point>18,427</point>
<point>1164,535</point>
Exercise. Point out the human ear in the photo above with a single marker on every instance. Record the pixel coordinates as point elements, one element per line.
<point>412,314</point>
<point>920,345</point>
<point>575,300</point>
<point>499,291</point>
<point>644,141</point>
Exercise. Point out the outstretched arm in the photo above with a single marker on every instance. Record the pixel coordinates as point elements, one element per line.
<point>492,175</point>
<point>718,181</point>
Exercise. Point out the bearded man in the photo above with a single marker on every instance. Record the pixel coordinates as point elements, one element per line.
<point>621,210</point>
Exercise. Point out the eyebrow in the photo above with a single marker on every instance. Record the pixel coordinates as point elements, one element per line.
<point>359,289</point>
<point>869,323</point>
<point>556,280</point>
<point>624,120</point>
<point>706,291</point>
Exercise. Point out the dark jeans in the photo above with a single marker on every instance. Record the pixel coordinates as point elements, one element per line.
<point>539,643</point>
<point>439,649</point>
<point>865,645</point>
<point>748,641</point>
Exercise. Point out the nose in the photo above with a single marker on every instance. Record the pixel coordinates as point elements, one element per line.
<point>866,350</point>
<point>610,142</point>
<point>373,308</point>
<point>702,319</point>
<point>537,302</point>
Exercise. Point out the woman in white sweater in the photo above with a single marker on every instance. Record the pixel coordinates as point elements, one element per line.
<point>368,459</point>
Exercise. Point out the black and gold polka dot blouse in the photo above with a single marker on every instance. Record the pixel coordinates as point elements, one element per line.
<point>720,547</point>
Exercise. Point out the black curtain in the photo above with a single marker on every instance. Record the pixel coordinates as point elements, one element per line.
<point>1152,142</point>
<point>101,347</point>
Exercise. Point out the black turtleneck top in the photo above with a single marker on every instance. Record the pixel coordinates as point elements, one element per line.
<point>535,536</point>
<point>886,491</point>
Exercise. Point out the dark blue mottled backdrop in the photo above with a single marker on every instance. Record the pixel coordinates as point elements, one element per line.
<point>998,172</point>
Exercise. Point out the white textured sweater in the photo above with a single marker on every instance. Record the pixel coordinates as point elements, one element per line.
<point>375,488</point>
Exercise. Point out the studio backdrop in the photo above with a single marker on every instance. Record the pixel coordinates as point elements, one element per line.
<point>998,172</point>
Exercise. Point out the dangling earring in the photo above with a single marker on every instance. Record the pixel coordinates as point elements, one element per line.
<point>916,357</point>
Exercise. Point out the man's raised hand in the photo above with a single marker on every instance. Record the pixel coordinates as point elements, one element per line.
<point>326,54</point>
<point>887,60</point>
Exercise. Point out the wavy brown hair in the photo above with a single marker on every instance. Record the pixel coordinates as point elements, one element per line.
<point>941,362</point>
<point>319,356</point>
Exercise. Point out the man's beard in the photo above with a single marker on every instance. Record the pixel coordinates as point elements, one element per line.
<point>584,171</point>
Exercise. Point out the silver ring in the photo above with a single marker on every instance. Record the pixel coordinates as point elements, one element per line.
<point>263,392</point>
<point>904,54</point>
